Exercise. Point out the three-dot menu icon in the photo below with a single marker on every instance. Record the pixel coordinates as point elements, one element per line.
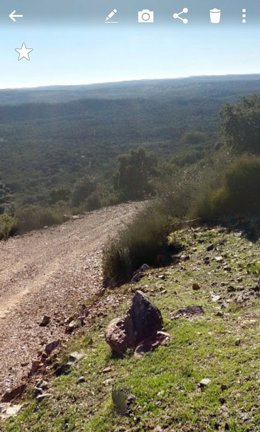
<point>243,16</point>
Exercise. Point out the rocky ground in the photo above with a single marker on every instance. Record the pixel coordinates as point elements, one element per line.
<point>206,376</point>
<point>49,273</point>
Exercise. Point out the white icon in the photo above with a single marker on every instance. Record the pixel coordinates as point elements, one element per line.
<point>243,16</point>
<point>110,16</point>
<point>215,16</point>
<point>178,15</point>
<point>24,52</point>
<point>146,16</point>
<point>13,16</point>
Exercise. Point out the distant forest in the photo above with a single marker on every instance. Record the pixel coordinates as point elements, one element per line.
<point>72,149</point>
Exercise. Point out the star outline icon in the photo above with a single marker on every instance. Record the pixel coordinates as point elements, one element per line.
<point>24,52</point>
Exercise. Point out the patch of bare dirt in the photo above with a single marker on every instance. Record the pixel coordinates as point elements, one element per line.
<point>49,272</point>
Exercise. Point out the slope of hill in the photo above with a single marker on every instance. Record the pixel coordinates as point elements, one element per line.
<point>204,379</point>
<point>50,137</point>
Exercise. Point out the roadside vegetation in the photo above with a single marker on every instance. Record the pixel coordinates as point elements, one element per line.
<point>221,346</point>
<point>81,162</point>
<point>195,244</point>
<point>222,187</point>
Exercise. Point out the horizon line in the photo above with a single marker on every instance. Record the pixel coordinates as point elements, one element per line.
<point>44,86</point>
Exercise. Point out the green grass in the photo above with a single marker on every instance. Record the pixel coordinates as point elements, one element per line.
<point>223,348</point>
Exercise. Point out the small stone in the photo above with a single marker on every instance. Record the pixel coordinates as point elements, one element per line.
<point>227,268</point>
<point>107,369</point>
<point>220,314</point>
<point>73,325</point>
<point>108,381</point>
<point>42,384</point>
<point>215,297</point>
<point>187,312</point>
<point>204,382</point>
<point>76,356</point>
<point>184,257</point>
<point>43,396</point>
<point>36,365</point>
<point>219,258</point>
<point>50,347</point>
<point>7,410</point>
<point>195,286</point>
<point>45,321</point>
<point>63,369</point>
<point>81,380</point>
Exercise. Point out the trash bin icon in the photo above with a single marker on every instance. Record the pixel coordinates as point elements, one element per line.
<point>215,16</point>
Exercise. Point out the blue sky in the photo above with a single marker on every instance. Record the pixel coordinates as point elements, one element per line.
<point>72,53</point>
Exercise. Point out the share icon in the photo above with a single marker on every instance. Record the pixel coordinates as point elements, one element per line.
<point>178,15</point>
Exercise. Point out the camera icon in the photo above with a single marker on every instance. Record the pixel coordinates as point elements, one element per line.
<point>146,16</point>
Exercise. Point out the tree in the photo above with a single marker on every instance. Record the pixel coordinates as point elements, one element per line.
<point>133,178</point>
<point>82,190</point>
<point>241,125</point>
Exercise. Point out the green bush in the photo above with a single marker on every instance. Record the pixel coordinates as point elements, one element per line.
<point>34,217</point>
<point>82,190</point>
<point>239,194</point>
<point>241,125</point>
<point>143,241</point>
<point>8,226</point>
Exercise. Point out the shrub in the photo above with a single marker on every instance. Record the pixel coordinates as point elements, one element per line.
<point>143,241</point>
<point>194,138</point>
<point>34,217</point>
<point>8,226</point>
<point>241,125</point>
<point>239,194</point>
<point>82,190</point>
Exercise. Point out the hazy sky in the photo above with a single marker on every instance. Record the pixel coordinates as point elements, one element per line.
<point>71,52</point>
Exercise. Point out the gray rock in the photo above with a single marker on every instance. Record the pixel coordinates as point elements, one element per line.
<point>7,410</point>
<point>63,369</point>
<point>204,382</point>
<point>187,312</point>
<point>142,321</point>
<point>45,321</point>
<point>81,380</point>
<point>43,396</point>
<point>50,347</point>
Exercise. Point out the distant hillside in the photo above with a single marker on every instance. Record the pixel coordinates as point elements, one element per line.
<point>52,136</point>
<point>218,85</point>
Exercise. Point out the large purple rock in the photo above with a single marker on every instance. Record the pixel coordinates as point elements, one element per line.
<point>142,321</point>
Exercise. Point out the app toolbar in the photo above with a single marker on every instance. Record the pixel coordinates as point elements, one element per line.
<point>182,16</point>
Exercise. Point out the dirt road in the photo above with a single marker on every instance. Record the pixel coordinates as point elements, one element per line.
<point>49,272</point>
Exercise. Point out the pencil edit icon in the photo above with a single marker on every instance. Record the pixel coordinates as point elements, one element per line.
<point>215,16</point>
<point>108,19</point>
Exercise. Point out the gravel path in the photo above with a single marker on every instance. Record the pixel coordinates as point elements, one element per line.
<point>49,272</point>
